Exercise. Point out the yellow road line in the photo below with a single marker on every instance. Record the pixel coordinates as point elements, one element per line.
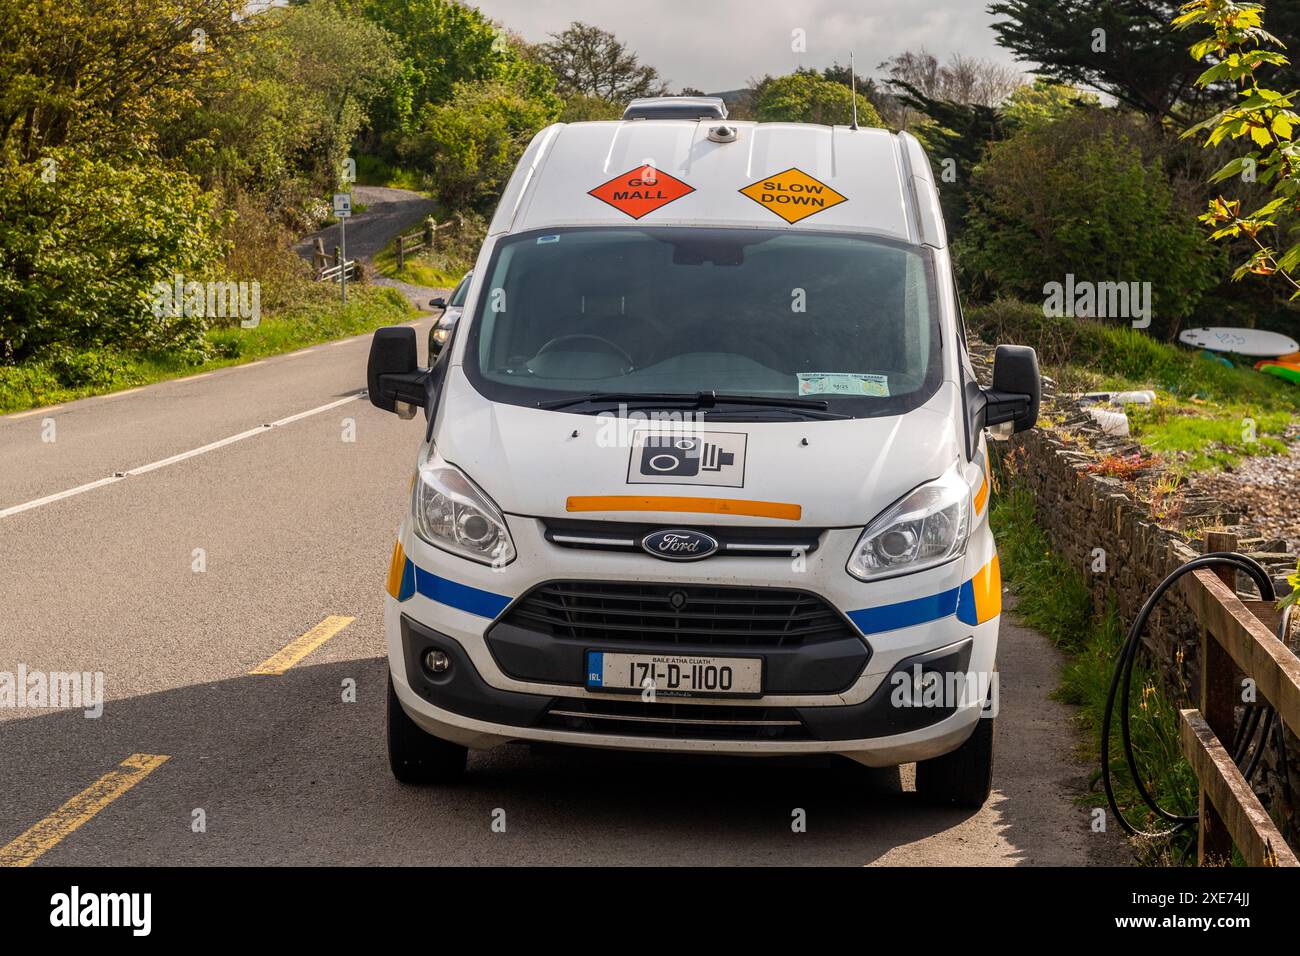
<point>28,847</point>
<point>300,647</point>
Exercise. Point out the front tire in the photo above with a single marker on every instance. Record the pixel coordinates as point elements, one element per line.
<point>963,778</point>
<point>416,756</point>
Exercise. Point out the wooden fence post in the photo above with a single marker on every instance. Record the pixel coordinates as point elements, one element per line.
<point>1218,707</point>
<point>318,256</point>
<point>430,230</point>
<point>401,253</point>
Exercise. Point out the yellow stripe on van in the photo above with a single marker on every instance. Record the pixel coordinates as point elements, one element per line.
<point>982,496</point>
<point>396,567</point>
<point>712,506</point>
<point>987,585</point>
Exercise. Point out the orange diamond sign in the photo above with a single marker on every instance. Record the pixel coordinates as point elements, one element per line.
<point>641,191</point>
<point>793,195</point>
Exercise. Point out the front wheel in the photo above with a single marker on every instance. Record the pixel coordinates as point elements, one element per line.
<point>416,756</point>
<point>963,778</point>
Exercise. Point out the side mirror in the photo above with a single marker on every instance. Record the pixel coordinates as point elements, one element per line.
<point>439,303</point>
<point>1017,388</point>
<point>393,377</point>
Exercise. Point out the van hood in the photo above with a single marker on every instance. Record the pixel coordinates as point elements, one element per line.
<point>553,464</point>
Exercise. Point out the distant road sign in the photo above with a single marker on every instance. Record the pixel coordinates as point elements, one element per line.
<point>342,205</point>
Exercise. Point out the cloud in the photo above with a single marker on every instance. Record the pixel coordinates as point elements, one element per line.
<point>720,44</point>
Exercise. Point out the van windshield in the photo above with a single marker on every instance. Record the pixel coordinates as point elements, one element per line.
<point>835,322</point>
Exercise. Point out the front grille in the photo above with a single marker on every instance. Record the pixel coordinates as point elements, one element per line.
<point>606,612</point>
<point>733,541</point>
<point>684,721</point>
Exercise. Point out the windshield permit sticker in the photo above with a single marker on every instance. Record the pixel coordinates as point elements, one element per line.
<point>543,240</point>
<point>843,383</point>
<point>687,458</point>
<point>641,191</point>
<point>793,195</point>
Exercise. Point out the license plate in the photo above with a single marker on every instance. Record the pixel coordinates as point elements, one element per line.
<point>675,675</point>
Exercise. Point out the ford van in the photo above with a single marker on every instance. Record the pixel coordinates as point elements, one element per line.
<point>703,465</point>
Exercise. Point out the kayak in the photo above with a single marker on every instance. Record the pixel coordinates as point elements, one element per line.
<point>1287,370</point>
<point>1257,343</point>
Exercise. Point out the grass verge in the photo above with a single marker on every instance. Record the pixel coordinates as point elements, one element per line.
<point>373,171</point>
<point>316,317</point>
<point>437,270</point>
<point>1053,597</point>
<point>1207,415</point>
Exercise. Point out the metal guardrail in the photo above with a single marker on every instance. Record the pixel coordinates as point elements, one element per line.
<point>1237,638</point>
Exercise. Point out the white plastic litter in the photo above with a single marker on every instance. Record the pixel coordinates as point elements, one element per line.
<point>1145,397</point>
<point>1112,423</point>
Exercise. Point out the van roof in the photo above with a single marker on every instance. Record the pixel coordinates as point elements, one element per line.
<point>673,172</point>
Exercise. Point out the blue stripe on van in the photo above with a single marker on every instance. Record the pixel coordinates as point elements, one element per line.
<point>966,610</point>
<point>460,596</point>
<point>890,617</point>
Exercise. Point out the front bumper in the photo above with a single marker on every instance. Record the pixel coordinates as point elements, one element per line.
<point>478,702</point>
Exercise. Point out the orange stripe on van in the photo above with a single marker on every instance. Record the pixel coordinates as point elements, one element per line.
<point>711,506</point>
<point>987,585</point>
<point>982,495</point>
<point>396,568</point>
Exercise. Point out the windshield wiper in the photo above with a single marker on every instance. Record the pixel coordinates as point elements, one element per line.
<point>707,399</point>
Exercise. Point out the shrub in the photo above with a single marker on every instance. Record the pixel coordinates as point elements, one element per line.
<point>805,97</point>
<point>471,143</point>
<point>1079,196</point>
<point>80,251</point>
<point>1120,352</point>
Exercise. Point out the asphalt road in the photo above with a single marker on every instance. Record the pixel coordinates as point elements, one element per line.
<point>389,211</point>
<point>296,526</point>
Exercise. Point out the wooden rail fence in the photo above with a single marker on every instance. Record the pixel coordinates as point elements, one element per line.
<point>327,267</point>
<point>1238,638</point>
<point>426,238</point>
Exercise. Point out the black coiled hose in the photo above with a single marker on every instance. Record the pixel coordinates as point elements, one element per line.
<point>1257,714</point>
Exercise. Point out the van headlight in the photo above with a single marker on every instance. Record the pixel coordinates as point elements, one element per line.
<point>927,528</point>
<point>453,513</point>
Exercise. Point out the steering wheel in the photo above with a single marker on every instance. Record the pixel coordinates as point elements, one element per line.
<point>613,347</point>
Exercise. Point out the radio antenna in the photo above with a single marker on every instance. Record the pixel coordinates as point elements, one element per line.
<point>853,86</point>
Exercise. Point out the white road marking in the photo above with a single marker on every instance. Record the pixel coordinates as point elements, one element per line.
<point>34,411</point>
<point>174,459</point>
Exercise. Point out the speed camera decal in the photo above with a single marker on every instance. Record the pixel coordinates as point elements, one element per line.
<point>699,458</point>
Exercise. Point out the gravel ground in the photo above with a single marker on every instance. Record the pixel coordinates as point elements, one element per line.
<point>1266,490</point>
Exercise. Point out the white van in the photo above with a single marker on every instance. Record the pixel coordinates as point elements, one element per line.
<point>704,464</point>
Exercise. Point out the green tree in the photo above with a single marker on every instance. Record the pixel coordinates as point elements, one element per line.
<point>579,108</point>
<point>280,116</point>
<point>1045,101</point>
<point>101,73</point>
<point>82,242</point>
<point>1079,196</point>
<point>470,144</point>
<point>589,61</point>
<point>955,136</point>
<point>445,42</point>
<point>1260,116</point>
<point>806,97</point>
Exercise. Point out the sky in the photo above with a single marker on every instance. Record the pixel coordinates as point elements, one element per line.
<point>718,45</point>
